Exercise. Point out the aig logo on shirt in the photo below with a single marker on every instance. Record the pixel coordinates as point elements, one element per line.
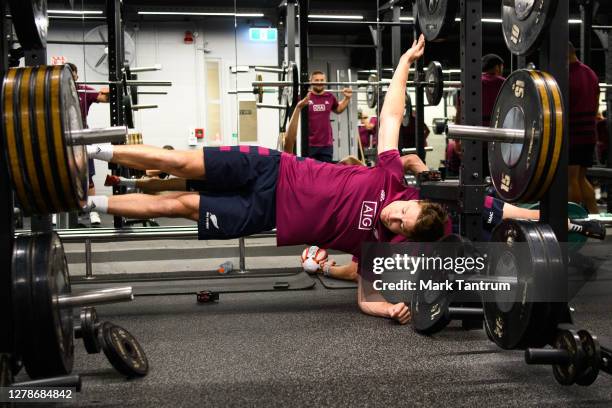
<point>368,212</point>
<point>318,108</point>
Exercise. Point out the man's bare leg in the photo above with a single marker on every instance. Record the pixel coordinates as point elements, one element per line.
<point>183,164</point>
<point>144,206</point>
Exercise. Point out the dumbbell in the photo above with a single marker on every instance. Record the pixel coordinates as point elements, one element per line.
<point>575,357</point>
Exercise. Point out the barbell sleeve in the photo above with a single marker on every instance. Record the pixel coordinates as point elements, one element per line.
<point>67,381</point>
<point>267,69</point>
<point>113,134</point>
<point>128,82</point>
<point>413,150</point>
<point>156,67</point>
<point>484,134</point>
<point>96,297</point>
<point>139,107</point>
<point>546,356</point>
<point>153,93</point>
<point>269,106</point>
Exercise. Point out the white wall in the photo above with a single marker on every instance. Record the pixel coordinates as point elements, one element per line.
<point>184,107</point>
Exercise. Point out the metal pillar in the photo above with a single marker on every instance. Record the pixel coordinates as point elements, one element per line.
<point>396,37</point>
<point>419,92</point>
<point>290,30</point>
<point>304,10</point>
<point>586,15</point>
<point>553,59</point>
<point>7,222</point>
<point>471,180</point>
<point>116,58</point>
<point>608,96</point>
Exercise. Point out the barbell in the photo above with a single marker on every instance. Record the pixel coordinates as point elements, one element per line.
<point>433,83</point>
<point>44,139</point>
<point>42,302</point>
<point>525,137</point>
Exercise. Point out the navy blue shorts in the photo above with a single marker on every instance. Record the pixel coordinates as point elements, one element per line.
<point>238,197</point>
<point>321,153</point>
<point>92,172</point>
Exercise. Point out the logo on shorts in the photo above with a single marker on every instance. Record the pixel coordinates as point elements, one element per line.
<point>318,108</point>
<point>490,219</point>
<point>211,219</point>
<point>368,212</point>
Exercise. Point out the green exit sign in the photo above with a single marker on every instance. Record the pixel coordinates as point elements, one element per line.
<point>263,34</point>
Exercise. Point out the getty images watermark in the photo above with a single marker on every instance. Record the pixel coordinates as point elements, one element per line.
<point>495,272</point>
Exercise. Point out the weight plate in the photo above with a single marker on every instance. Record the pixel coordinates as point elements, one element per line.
<point>524,23</point>
<point>40,109</point>
<point>553,96</point>
<point>429,308</point>
<point>372,92</point>
<point>434,83</point>
<point>517,169</point>
<point>592,351</point>
<point>436,17</point>
<point>512,318</point>
<point>31,23</point>
<point>574,212</point>
<point>21,296</point>
<point>45,330</point>
<point>90,329</point>
<point>407,110</point>
<point>283,114</point>
<point>293,90</point>
<point>568,340</point>
<point>123,351</point>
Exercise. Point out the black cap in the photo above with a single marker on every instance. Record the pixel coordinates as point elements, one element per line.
<point>491,60</point>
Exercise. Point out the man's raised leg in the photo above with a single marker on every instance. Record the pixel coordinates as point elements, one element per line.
<point>144,206</point>
<point>184,164</point>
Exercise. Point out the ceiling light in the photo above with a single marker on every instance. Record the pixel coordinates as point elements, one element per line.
<point>336,16</point>
<point>74,11</point>
<point>189,13</point>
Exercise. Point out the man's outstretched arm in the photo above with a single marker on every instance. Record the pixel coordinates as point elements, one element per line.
<point>292,128</point>
<point>372,303</point>
<point>393,109</point>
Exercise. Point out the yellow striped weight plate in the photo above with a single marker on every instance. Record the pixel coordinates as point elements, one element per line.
<point>40,109</point>
<point>523,172</point>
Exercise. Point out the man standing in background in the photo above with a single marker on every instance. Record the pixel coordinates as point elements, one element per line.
<point>320,107</point>
<point>87,97</point>
<point>583,108</point>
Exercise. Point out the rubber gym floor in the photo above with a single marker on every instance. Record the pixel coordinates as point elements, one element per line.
<point>315,348</point>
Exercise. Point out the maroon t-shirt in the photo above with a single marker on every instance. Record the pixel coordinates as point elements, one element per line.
<point>86,99</point>
<point>320,108</point>
<point>334,206</point>
<point>491,84</point>
<point>366,134</point>
<point>583,104</point>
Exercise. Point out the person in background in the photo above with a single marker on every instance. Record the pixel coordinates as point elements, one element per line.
<point>320,106</point>
<point>87,97</point>
<point>583,108</point>
<point>368,133</point>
